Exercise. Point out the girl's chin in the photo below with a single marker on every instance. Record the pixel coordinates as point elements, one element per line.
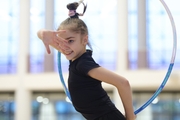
<point>68,58</point>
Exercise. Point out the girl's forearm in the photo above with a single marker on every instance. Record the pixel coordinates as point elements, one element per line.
<point>126,97</point>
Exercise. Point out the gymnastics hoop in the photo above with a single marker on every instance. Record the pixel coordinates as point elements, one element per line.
<point>158,91</point>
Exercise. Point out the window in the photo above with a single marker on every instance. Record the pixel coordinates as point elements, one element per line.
<point>133,43</point>
<point>101,31</point>
<point>7,106</point>
<point>159,36</point>
<point>37,49</point>
<point>9,22</point>
<point>160,33</point>
<point>101,19</point>
<point>161,108</point>
<point>53,106</point>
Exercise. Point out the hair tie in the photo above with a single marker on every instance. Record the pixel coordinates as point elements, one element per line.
<point>72,13</point>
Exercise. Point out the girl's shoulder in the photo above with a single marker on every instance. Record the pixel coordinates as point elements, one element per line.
<point>85,63</point>
<point>86,58</point>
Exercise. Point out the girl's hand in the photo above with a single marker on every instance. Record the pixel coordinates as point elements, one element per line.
<point>50,37</point>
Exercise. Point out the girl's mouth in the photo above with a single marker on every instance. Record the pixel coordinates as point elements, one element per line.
<point>67,52</point>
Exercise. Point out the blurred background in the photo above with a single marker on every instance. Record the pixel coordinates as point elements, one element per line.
<point>131,37</point>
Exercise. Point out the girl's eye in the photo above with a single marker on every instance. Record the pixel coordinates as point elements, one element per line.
<point>70,41</point>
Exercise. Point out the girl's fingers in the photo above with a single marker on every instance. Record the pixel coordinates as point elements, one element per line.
<point>59,39</point>
<point>64,46</point>
<point>59,32</point>
<point>56,40</point>
<point>48,49</point>
<point>60,42</point>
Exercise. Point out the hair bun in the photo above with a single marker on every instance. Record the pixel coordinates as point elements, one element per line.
<point>72,9</point>
<point>72,6</point>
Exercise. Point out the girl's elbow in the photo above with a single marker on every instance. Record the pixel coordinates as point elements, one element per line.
<point>124,83</point>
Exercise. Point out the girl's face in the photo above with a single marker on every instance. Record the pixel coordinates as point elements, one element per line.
<point>76,44</point>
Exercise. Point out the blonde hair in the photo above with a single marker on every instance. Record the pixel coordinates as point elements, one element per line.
<point>75,24</point>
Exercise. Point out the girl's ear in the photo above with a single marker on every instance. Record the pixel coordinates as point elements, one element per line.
<point>85,40</point>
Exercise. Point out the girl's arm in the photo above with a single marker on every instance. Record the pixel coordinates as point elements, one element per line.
<point>50,37</point>
<point>121,84</point>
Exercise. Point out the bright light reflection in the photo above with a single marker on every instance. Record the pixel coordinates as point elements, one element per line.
<point>35,19</point>
<point>34,11</point>
<point>155,101</point>
<point>39,99</point>
<point>4,16</point>
<point>45,100</point>
<point>68,100</point>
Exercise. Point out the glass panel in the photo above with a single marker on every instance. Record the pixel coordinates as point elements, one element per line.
<point>60,14</point>
<point>133,34</point>
<point>174,7</point>
<point>7,106</point>
<point>53,106</point>
<point>165,107</point>
<point>159,54</point>
<point>37,49</point>
<point>160,33</point>
<point>102,22</point>
<point>9,22</point>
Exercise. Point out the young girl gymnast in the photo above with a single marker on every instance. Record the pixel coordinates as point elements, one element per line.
<point>85,75</point>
